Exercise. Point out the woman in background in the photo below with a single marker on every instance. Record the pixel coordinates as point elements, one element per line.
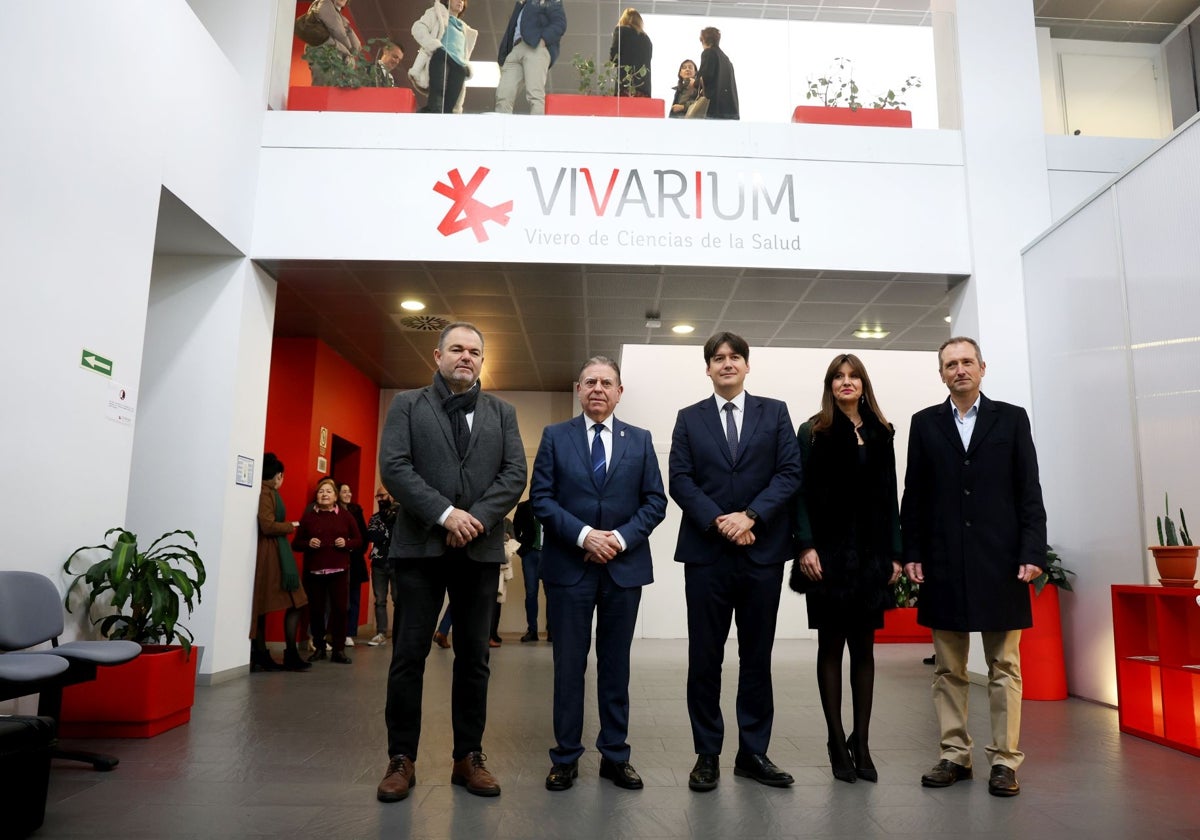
<point>848,532</point>
<point>443,64</point>
<point>631,48</point>
<point>358,564</point>
<point>341,34</point>
<point>276,579</point>
<point>327,534</point>
<point>686,89</point>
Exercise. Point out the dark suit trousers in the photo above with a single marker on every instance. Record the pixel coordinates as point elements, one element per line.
<point>733,588</point>
<point>570,610</point>
<point>420,586</point>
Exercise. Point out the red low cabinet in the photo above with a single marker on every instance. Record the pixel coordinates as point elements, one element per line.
<point>1156,634</point>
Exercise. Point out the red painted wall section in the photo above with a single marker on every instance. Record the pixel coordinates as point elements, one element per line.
<point>312,386</point>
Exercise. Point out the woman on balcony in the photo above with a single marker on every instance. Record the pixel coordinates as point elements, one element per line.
<point>631,51</point>
<point>443,64</point>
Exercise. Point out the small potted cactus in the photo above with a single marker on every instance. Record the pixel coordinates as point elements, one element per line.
<point>1176,555</point>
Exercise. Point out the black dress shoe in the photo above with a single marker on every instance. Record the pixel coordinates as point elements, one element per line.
<point>531,636</point>
<point>1003,781</point>
<point>562,776</point>
<point>946,773</point>
<point>760,769</point>
<point>841,762</point>
<point>621,774</point>
<point>340,658</point>
<point>318,655</point>
<point>705,773</point>
<point>864,768</point>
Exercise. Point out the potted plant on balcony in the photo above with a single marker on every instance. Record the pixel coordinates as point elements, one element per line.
<point>146,589</point>
<point>1043,666</point>
<point>1175,556</point>
<point>353,83</point>
<point>839,103</point>
<point>595,98</point>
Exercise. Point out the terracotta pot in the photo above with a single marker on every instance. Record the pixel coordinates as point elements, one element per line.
<point>1176,563</point>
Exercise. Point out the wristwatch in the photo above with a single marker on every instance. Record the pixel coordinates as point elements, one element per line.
<point>751,514</point>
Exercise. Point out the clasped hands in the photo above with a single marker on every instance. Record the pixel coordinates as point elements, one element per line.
<point>340,542</point>
<point>461,527</point>
<point>600,546</point>
<point>735,527</point>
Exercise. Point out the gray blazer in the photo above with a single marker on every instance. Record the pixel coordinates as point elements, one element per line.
<point>420,467</point>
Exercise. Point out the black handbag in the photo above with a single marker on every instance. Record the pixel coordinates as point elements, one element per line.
<point>311,29</point>
<point>798,581</point>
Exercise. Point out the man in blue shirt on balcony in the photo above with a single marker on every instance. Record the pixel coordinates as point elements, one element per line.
<point>528,51</point>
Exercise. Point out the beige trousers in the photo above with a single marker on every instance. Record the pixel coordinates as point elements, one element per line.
<point>525,64</point>
<point>951,688</point>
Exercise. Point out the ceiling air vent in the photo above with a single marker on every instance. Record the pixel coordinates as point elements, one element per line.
<point>423,323</point>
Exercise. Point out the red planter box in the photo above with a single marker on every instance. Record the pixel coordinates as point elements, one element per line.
<point>878,117</point>
<point>396,100</point>
<point>900,627</point>
<point>1043,668</point>
<point>138,699</point>
<point>582,105</point>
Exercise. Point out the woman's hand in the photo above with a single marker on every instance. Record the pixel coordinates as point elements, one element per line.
<point>810,564</point>
<point>340,542</point>
<point>314,543</point>
<point>675,109</point>
<point>897,569</point>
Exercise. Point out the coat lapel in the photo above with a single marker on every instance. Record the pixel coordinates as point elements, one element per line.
<point>754,412</point>
<point>443,419</point>
<point>984,423</point>
<point>949,426</point>
<point>620,443</point>
<point>579,435</point>
<point>716,427</point>
<point>483,415</point>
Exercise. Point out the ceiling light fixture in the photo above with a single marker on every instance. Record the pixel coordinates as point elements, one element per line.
<point>683,329</point>
<point>871,333</point>
<point>412,305</point>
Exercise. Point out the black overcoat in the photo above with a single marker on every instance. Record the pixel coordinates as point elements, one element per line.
<point>972,517</point>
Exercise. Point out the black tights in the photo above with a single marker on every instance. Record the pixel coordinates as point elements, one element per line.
<point>291,626</point>
<point>862,681</point>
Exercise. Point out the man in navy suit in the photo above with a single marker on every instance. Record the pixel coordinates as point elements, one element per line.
<point>974,530</point>
<point>734,467</point>
<point>598,493</point>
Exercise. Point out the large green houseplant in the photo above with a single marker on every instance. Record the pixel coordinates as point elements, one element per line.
<point>336,69</point>
<point>146,588</point>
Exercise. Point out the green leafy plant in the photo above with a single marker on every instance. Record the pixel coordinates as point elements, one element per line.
<point>905,592</point>
<point>337,69</point>
<point>1167,534</point>
<point>595,79</point>
<point>837,88</point>
<point>630,76</point>
<point>146,587</point>
<point>1054,574</point>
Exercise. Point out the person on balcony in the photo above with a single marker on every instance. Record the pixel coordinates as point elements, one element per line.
<point>527,52</point>
<point>443,63</point>
<point>717,79</point>
<point>631,51</point>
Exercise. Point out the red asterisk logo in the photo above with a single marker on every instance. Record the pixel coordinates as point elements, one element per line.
<point>473,213</point>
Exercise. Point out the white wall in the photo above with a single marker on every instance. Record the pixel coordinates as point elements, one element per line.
<point>660,380</point>
<point>1111,302</point>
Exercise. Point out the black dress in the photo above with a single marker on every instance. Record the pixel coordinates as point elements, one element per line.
<point>847,511</point>
<point>634,49</point>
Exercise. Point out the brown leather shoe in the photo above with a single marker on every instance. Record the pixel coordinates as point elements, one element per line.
<point>441,640</point>
<point>470,773</point>
<point>400,778</point>
<point>946,773</point>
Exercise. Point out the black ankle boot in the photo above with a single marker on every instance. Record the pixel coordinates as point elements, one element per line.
<point>292,661</point>
<point>261,661</point>
<point>864,768</point>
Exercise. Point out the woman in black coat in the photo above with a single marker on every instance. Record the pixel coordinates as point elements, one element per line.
<point>717,79</point>
<point>848,533</point>
<point>631,47</point>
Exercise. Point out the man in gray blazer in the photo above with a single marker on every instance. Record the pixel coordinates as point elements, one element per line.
<point>453,460</point>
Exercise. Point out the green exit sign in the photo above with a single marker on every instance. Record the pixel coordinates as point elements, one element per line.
<point>96,362</point>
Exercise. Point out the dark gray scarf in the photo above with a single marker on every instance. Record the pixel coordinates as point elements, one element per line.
<point>457,407</point>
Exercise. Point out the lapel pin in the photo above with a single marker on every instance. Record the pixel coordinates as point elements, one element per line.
<point>622,433</point>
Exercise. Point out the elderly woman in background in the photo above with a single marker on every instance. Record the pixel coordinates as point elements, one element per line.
<point>327,534</point>
<point>276,580</point>
<point>631,48</point>
<point>341,35</point>
<point>686,89</point>
<point>847,527</point>
<point>443,64</point>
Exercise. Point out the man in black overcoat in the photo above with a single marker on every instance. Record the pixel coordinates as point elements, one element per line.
<point>974,531</point>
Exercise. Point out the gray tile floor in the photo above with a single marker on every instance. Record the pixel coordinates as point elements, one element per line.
<point>299,755</point>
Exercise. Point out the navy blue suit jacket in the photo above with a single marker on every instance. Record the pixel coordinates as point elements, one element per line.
<point>707,483</point>
<point>566,497</point>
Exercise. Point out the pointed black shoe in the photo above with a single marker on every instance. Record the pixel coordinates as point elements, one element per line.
<point>761,769</point>
<point>705,773</point>
<point>864,768</point>
<point>621,774</point>
<point>841,763</point>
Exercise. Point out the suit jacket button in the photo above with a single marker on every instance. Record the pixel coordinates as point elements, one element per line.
<point>968,523</point>
<point>967,462</point>
<point>966,492</point>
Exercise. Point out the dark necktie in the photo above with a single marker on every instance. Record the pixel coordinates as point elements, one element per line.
<point>598,469</point>
<point>731,431</point>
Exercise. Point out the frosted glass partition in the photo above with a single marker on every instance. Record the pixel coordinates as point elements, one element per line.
<point>1111,296</point>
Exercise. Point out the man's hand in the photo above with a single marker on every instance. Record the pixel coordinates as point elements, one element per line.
<point>602,544</point>
<point>592,558</point>
<point>1027,572</point>
<point>733,525</point>
<point>463,527</point>
<point>914,572</point>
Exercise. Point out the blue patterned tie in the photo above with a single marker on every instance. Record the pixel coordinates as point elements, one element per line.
<point>598,468</point>
<point>731,431</point>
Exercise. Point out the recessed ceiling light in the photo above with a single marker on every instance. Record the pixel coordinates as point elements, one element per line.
<point>412,305</point>
<point>947,319</point>
<point>683,329</point>
<point>875,333</point>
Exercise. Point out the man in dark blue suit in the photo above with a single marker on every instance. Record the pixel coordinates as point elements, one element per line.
<point>734,467</point>
<point>598,493</point>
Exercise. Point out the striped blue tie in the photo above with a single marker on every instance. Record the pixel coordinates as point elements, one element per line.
<point>598,468</point>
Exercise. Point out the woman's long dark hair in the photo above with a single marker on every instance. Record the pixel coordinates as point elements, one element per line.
<point>823,419</point>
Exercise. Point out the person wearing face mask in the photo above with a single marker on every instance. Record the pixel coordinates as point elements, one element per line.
<point>379,532</point>
<point>847,528</point>
<point>327,534</point>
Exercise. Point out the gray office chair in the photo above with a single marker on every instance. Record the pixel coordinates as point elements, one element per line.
<point>31,614</point>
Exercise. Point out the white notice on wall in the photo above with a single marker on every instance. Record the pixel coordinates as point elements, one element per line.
<point>122,404</point>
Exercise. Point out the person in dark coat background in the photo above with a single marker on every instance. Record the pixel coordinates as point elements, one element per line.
<point>717,78</point>
<point>974,533</point>
<point>848,536</point>
<point>631,47</point>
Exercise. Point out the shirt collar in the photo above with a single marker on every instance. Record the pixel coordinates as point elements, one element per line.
<point>739,401</point>
<point>973,410</point>
<point>607,423</point>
